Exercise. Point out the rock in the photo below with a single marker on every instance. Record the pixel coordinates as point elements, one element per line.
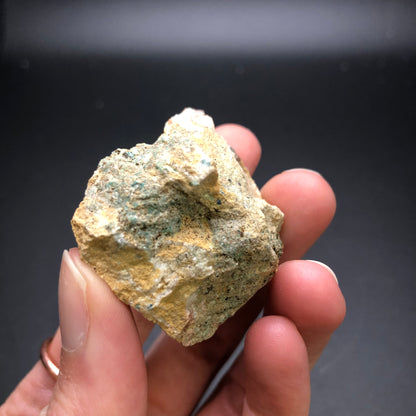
<point>178,229</point>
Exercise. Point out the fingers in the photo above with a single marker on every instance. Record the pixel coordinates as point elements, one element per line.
<point>37,386</point>
<point>308,294</point>
<point>290,191</point>
<point>270,378</point>
<point>101,354</point>
<point>101,351</point>
<point>35,390</point>
<point>168,361</point>
<point>244,142</point>
<point>308,203</point>
<point>143,326</point>
<point>276,369</point>
<point>31,395</point>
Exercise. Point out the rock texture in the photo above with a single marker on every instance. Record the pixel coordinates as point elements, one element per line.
<point>178,229</point>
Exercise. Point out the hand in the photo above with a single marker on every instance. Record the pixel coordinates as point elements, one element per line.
<point>99,343</point>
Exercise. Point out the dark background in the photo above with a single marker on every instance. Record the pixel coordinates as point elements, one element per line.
<point>327,85</point>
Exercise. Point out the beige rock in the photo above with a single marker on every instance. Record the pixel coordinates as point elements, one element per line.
<point>178,229</point>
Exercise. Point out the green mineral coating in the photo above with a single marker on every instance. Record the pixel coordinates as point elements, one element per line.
<point>178,229</point>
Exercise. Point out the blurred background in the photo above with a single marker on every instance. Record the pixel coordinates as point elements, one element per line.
<point>326,85</point>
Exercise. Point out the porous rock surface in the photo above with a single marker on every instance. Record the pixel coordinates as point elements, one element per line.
<point>178,229</point>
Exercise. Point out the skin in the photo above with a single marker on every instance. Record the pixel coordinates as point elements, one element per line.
<point>106,373</point>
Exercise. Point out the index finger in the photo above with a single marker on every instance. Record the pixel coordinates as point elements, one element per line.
<point>244,142</point>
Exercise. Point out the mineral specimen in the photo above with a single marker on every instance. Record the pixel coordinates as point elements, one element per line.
<point>178,229</point>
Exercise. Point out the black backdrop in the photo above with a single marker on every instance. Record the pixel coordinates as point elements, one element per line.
<point>348,112</point>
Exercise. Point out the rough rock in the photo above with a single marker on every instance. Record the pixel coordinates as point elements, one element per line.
<point>178,229</point>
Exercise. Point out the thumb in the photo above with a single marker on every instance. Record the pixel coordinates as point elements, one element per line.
<point>102,368</point>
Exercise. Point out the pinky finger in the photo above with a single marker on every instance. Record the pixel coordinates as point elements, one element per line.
<point>271,377</point>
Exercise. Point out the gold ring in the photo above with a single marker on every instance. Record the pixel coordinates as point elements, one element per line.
<point>47,362</point>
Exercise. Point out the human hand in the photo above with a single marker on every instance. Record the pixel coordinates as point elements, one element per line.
<point>99,344</point>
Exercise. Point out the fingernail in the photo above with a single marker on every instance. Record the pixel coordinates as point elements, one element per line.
<point>302,170</point>
<point>44,411</point>
<point>73,312</point>
<point>326,267</point>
